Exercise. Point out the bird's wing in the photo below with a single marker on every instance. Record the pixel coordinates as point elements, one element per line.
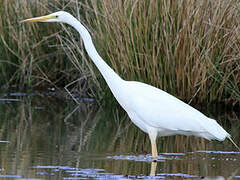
<point>162,110</point>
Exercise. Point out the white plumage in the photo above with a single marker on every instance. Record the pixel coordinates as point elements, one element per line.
<point>159,110</point>
<point>151,109</point>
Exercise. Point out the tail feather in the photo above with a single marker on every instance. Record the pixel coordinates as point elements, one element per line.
<point>234,143</point>
<point>215,131</point>
<point>218,132</point>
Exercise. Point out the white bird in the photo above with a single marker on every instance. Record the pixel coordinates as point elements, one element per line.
<point>151,109</point>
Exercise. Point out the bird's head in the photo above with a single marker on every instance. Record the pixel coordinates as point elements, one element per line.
<point>60,16</point>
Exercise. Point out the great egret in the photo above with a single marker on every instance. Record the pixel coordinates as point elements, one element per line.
<point>151,109</point>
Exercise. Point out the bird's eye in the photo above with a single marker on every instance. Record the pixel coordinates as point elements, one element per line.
<point>56,16</point>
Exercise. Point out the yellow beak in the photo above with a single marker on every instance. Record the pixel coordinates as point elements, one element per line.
<point>38,19</point>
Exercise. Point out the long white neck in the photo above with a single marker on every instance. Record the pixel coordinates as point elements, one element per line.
<point>109,75</point>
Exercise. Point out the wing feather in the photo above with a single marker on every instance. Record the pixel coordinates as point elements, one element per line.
<point>161,110</point>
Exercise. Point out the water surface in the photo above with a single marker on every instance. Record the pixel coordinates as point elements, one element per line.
<point>43,137</point>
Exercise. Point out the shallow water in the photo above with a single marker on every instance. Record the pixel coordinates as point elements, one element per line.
<point>42,137</point>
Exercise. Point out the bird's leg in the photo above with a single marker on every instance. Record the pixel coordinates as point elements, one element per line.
<point>153,136</point>
<point>154,150</point>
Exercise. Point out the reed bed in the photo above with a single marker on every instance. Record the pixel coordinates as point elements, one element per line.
<point>187,48</point>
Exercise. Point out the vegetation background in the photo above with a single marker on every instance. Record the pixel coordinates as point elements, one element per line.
<point>188,48</point>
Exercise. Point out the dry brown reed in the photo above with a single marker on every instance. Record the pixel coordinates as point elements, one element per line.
<point>187,48</point>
